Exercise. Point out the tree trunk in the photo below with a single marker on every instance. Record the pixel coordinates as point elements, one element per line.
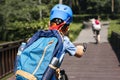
<point>60,1</point>
<point>112,7</point>
<point>40,10</point>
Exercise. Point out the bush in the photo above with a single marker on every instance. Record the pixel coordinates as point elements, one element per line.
<point>74,31</point>
<point>22,30</point>
<point>86,17</point>
<point>114,26</point>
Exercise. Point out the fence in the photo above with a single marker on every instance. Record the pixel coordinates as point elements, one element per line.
<point>7,57</point>
<point>115,42</point>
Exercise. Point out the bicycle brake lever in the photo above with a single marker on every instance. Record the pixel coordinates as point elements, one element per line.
<point>85,47</point>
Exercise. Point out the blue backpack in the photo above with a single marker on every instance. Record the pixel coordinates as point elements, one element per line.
<point>34,63</point>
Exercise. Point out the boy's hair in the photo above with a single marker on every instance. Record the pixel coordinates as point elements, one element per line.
<point>58,24</point>
<point>57,21</point>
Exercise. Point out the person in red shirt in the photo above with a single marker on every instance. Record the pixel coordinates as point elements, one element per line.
<point>96,27</point>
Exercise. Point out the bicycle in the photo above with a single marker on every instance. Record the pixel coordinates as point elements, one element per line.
<point>62,75</point>
<point>96,36</point>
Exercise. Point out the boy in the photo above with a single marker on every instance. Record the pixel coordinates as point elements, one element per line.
<point>60,19</point>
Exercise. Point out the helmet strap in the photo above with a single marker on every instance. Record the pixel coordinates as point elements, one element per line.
<point>64,29</point>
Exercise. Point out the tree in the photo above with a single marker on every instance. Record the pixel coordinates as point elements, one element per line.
<point>20,15</point>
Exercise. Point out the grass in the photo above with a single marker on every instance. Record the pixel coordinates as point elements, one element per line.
<point>75,29</point>
<point>7,76</point>
<point>114,26</point>
<point>2,41</point>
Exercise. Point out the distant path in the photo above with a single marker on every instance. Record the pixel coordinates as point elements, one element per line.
<point>99,62</point>
<point>86,35</point>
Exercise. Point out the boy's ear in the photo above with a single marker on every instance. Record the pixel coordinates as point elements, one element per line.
<point>65,29</point>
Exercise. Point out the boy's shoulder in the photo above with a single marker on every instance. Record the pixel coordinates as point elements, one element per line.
<point>66,38</point>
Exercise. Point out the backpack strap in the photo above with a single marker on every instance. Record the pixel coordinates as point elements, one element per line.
<point>48,33</point>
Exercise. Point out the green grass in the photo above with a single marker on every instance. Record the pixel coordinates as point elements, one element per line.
<point>75,29</point>
<point>7,76</point>
<point>114,26</point>
<point>2,41</point>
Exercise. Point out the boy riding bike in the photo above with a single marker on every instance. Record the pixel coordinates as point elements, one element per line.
<point>60,19</point>
<point>43,54</point>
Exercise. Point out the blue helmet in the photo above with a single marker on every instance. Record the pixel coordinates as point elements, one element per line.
<point>63,12</point>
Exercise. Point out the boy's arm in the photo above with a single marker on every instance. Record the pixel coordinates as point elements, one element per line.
<point>73,50</point>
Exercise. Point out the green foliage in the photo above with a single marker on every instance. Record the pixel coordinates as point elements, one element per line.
<point>87,17</point>
<point>114,26</point>
<point>7,76</point>
<point>18,10</point>
<point>98,6</point>
<point>21,18</point>
<point>22,30</point>
<point>95,6</point>
<point>74,31</point>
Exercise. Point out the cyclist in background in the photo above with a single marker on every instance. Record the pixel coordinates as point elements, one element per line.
<point>96,28</point>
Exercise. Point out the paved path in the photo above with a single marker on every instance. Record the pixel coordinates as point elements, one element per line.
<point>86,35</point>
<point>98,63</point>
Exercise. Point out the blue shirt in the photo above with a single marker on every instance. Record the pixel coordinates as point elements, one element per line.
<point>68,47</point>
